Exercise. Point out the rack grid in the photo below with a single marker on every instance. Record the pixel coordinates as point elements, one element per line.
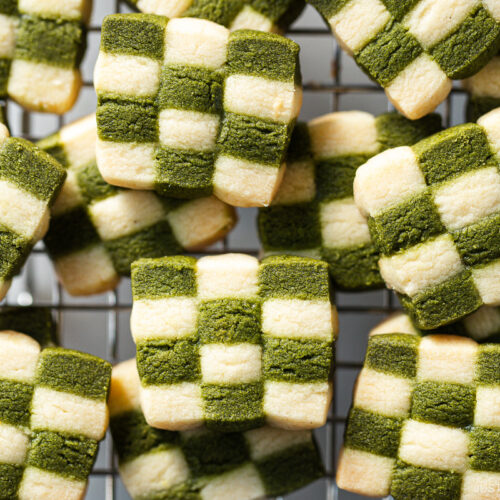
<point>365,309</point>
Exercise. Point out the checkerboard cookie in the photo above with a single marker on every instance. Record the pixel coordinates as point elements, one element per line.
<point>204,464</point>
<point>41,46</point>
<point>425,421</point>
<point>231,343</point>
<point>98,230</point>
<point>482,325</point>
<point>200,110</point>
<point>30,179</point>
<point>37,322</point>
<point>414,48</point>
<point>314,212</point>
<point>53,414</point>
<point>433,211</point>
<point>484,90</point>
<point>273,17</point>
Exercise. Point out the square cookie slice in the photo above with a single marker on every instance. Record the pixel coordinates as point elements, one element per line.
<point>30,180</point>
<point>314,213</point>
<point>43,43</point>
<point>414,48</point>
<point>433,211</point>
<point>232,343</point>
<point>186,123</point>
<point>98,230</point>
<point>273,17</point>
<point>53,415</point>
<point>204,464</point>
<point>425,420</point>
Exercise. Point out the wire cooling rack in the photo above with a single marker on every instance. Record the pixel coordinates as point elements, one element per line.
<point>100,324</point>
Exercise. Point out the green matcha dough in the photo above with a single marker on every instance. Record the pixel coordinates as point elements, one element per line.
<point>69,456</point>
<point>71,371</point>
<point>50,41</point>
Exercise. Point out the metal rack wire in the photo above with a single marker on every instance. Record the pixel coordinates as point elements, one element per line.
<point>115,306</point>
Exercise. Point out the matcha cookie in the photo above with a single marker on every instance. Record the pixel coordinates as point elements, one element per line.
<point>425,421</point>
<point>231,343</point>
<point>414,48</point>
<point>98,230</point>
<point>433,211</point>
<point>53,414</point>
<point>273,17</point>
<point>37,322</point>
<point>41,48</point>
<point>482,326</point>
<point>314,213</point>
<point>484,90</point>
<point>204,465</point>
<point>30,180</point>
<point>189,109</point>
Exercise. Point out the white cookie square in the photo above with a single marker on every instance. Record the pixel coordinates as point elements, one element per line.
<point>434,446</point>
